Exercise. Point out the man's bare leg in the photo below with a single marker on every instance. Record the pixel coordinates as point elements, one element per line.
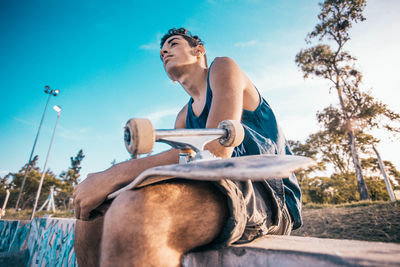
<point>87,241</point>
<point>156,225</point>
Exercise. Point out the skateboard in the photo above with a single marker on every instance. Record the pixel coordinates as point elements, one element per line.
<point>195,163</point>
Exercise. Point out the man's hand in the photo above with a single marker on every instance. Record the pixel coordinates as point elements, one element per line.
<point>91,193</point>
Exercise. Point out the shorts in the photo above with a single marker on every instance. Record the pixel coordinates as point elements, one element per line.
<point>255,210</point>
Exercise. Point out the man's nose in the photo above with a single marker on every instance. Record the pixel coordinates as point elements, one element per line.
<point>164,51</point>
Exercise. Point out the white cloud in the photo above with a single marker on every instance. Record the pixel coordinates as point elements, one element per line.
<point>298,127</point>
<point>72,134</point>
<point>246,44</point>
<point>150,46</point>
<point>159,117</point>
<point>25,122</point>
<point>276,77</point>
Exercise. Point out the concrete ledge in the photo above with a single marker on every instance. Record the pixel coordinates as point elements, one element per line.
<point>46,241</point>
<point>49,242</point>
<point>299,251</point>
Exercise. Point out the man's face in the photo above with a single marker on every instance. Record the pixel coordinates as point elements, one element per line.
<point>176,52</point>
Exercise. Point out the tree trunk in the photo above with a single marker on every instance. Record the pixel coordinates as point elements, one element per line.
<point>362,186</point>
<point>387,182</point>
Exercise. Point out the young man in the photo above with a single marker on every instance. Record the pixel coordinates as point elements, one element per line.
<point>156,225</point>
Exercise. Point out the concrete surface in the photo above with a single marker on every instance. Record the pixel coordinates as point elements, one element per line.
<point>49,242</point>
<point>299,251</point>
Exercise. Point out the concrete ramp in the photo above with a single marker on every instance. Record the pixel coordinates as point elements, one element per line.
<point>299,251</point>
<point>41,242</point>
<point>49,242</point>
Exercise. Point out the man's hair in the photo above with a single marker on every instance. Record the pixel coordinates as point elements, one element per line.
<point>193,40</point>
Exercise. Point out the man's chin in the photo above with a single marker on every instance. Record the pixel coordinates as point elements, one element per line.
<point>173,71</point>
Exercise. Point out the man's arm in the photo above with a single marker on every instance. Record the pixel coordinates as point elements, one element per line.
<point>229,86</point>
<point>92,192</point>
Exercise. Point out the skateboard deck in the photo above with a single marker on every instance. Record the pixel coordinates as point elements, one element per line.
<point>255,168</point>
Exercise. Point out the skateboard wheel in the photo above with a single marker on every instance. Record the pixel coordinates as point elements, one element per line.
<point>235,133</point>
<point>139,136</point>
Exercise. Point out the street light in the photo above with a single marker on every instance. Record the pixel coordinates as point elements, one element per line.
<point>51,92</point>
<point>58,109</point>
<point>47,90</point>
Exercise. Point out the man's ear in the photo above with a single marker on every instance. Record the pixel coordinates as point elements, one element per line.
<point>200,50</point>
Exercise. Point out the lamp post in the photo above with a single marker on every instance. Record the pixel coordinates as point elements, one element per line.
<point>51,92</point>
<point>58,109</point>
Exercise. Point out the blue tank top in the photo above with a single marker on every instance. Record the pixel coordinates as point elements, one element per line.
<point>262,136</point>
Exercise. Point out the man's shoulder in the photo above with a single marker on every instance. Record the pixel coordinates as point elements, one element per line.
<point>181,118</point>
<point>225,73</point>
<point>224,68</point>
<point>224,61</point>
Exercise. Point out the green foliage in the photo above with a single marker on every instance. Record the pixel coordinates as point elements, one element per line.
<point>392,171</point>
<point>340,188</point>
<point>336,18</point>
<point>345,186</point>
<point>31,187</point>
<point>332,150</point>
<point>69,180</point>
<point>372,165</point>
<point>64,185</point>
<point>334,190</point>
<point>306,150</point>
<point>313,189</point>
<point>72,174</point>
<point>321,61</point>
<point>377,188</point>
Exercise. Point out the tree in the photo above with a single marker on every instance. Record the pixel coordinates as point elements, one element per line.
<point>357,110</point>
<point>372,165</point>
<point>3,188</point>
<point>31,186</point>
<point>332,152</point>
<point>306,150</point>
<point>69,180</point>
<point>72,174</point>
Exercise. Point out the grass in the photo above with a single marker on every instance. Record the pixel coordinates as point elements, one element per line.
<point>368,221</point>
<point>11,214</point>
<point>345,205</point>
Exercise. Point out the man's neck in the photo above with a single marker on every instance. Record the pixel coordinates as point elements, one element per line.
<point>194,80</point>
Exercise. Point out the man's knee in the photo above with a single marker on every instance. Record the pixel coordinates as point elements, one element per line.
<point>127,206</point>
<point>190,213</point>
<point>138,213</point>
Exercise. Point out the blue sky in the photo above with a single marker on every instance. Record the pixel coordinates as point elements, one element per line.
<point>104,58</point>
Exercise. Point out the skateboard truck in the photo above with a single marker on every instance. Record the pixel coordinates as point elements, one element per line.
<point>139,137</point>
